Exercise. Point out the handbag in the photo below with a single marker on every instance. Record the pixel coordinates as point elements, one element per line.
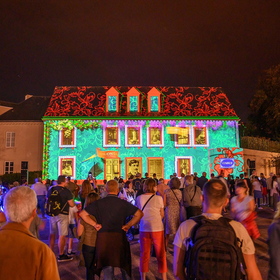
<point>183,212</point>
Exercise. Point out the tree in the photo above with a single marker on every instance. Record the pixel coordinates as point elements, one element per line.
<point>264,120</point>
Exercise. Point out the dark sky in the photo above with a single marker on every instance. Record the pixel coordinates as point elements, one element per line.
<point>177,43</point>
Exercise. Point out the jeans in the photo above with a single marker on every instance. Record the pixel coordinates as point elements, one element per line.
<point>41,203</point>
<point>88,253</point>
<point>109,273</point>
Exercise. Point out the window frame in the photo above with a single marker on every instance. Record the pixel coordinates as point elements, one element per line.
<point>73,158</point>
<point>157,93</point>
<point>149,140</point>
<point>11,133</point>
<point>74,139</point>
<point>190,138</point>
<point>105,137</point>
<point>9,167</point>
<point>190,158</point>
<point>112,92</point>
<point>140,136</point>
<point>206,136</point>
<point>128,159</point>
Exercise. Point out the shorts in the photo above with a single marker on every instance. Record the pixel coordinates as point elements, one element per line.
<point>71,231</point>
<point>60,223</point>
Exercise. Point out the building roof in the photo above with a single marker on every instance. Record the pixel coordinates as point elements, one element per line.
<point>31,109</point>
<point>7,104</point>
<point>90,101</point>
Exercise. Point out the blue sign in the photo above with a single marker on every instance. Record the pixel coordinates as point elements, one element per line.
<point>227,163</point>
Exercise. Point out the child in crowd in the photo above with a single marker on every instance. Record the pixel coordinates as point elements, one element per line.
<point>73,221</point>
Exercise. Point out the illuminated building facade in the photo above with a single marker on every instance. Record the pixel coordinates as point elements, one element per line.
<point>120,131</point>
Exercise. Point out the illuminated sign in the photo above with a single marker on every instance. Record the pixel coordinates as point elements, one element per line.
<point>227,163</point>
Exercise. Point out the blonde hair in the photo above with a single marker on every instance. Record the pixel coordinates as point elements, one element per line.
<point>149,185</point>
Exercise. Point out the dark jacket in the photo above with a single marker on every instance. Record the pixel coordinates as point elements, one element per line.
<point>201,181</point>
<point>274,251</point>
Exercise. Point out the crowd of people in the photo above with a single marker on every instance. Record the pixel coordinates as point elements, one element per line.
<point>113,212</point>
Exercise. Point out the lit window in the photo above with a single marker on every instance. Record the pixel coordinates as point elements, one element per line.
<point>112,106</point>
<point>133,106</point>
<point>200,136</point>
<point>183,165</point>
<point>155,137</point>
<point>111,136</point>
<point>67,137</point>
<point>9,167</point>
<point>112,100</point>
<point>133,136</point>
<point>10,139</point>
<point>183,137</point>
<point>67,166</point>
<point>154,104</point>
<point>154,101</point>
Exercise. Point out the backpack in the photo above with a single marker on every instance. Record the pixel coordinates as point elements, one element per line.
<point>54,203</point>
<point>214,251</point>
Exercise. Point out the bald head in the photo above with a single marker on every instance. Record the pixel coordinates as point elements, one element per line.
<point>112,187</point>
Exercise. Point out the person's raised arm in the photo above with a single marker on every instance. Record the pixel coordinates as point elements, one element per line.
<point>136,218</point>
<point>252,270</point>
<point>85,216</point>
<point>178,263</point>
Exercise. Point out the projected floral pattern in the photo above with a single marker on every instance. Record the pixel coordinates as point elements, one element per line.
<point>177,101</point>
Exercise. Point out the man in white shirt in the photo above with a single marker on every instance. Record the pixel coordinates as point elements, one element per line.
<point>214,200</point>
<point>41,192</point>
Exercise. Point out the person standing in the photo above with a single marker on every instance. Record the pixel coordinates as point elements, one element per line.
<point>274,192</point>
<point>60,222</point>
<point>243,209</point>
<point>22,256</point>
<point>269,184</point>
<point>161,187</point>
<point>202,180</point>
<point>172,202</point>
<point>151,229</point>
<point>215,199</point>
<point>41,192</point>
<point>112,247</point>
<point>264,189</point>
<point>257,188</point>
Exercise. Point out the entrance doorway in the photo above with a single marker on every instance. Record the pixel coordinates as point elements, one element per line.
<point>155,165</point>
<point>112,168</point>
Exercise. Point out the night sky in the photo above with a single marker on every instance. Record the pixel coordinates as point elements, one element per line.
<point>174,43</point>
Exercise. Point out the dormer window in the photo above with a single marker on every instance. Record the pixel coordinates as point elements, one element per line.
<point>154,100</point>
<point>133,96</point>
<point>112,100</point>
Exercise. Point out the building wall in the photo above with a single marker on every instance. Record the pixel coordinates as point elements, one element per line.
<point>89,140</point>
<point>264,161</point>
<point>28,145</point>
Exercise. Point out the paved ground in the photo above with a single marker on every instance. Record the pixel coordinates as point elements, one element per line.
<point>70,270</point>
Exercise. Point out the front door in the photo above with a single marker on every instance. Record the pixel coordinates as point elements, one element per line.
<point>112,168</point>
<point>155,166</point>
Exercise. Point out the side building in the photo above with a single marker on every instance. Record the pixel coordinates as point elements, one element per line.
<point>120,131</point>
<point>21,135</point>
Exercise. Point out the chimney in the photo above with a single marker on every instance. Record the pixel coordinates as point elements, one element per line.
<point>27,96</point>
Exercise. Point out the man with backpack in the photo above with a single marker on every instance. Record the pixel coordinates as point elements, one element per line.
<point>59,200</point>
<point>137,182</point>
<point>213,246</point>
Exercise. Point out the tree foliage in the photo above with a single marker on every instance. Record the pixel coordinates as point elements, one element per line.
<point>264,120</point>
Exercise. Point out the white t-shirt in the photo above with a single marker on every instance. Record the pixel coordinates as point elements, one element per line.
<point>151,221</point>
<point>274,188</point>
<point>257,186</point>
<point>185,228</point>
<point>72,211</point>
<point>242,209</point>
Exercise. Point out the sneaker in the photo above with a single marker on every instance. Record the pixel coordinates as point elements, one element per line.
<point>64,258</point>
<point>71,253</point>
